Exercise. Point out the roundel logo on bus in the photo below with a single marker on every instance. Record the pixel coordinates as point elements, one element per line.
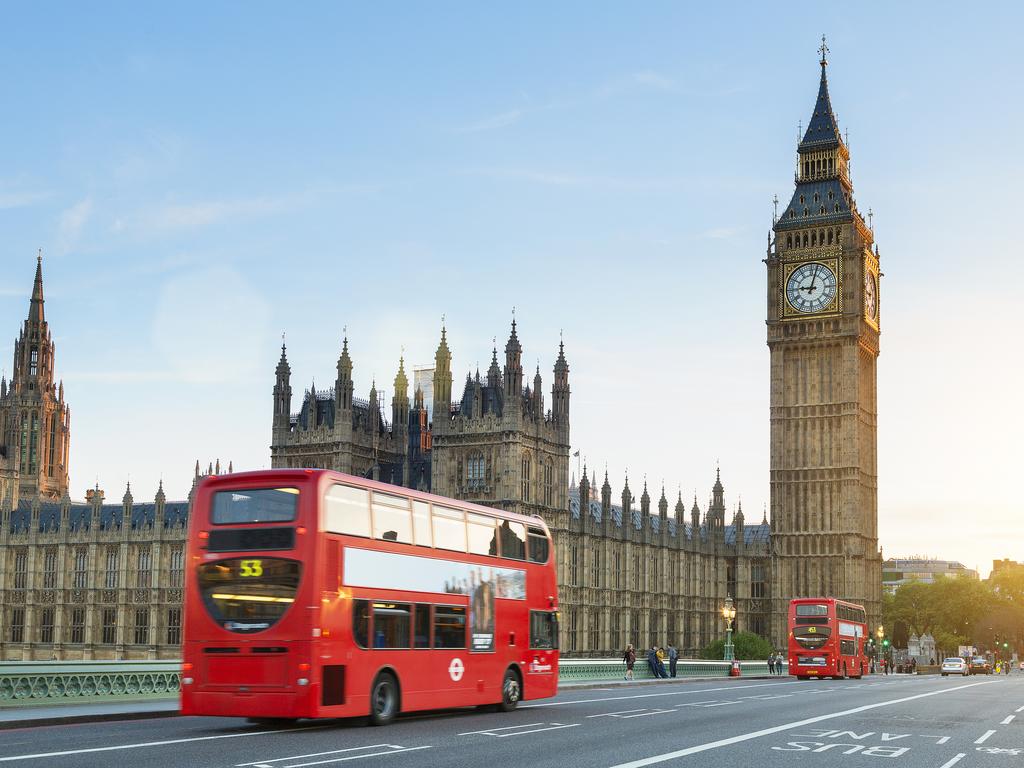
<point>455,669</point>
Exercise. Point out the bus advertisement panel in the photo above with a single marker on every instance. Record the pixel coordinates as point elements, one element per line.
<point>827,638</point>
<point>316,594</point>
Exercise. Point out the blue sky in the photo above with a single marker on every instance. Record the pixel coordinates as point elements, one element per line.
<point>205,176</point>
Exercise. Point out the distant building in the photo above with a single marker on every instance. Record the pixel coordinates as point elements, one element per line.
<point>898,571</point>
<point>423,380</point>
<point>1004,565</point>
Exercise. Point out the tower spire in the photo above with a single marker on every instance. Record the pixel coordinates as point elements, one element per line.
<point>35,312</point>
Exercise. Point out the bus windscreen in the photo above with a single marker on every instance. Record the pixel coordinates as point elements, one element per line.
<point>254,505</point>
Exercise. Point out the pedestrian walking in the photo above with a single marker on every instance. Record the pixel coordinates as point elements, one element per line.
<point>771,663</point>
<point>673,659</point>
<point>629,656</point>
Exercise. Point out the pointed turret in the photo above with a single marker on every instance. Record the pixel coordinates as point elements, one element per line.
<point>343,387</point>
<point>282,395</point>
<point>35,310</point>
<point>442,383</point>
<point>494,372</point>
<point>680,509</point>
<point>127,498</point>
<point>645,503</point>
<point>400,399</point>
<point>513,371</point>
<point>160,497</point>
<point>606,497</point>
<point>695,517</point>
<point>538,395</point>
<point>560,390</point>
<point>663,505</point>
<point>584,494</point>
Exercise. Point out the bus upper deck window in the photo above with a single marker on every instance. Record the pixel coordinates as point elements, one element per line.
<point>254,505</point>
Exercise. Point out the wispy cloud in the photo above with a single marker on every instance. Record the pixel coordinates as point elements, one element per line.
<point>493,122</point>
<point>563,179</point>
<point>196,215</point>
<point>72,220</point>
<point>10,198</point>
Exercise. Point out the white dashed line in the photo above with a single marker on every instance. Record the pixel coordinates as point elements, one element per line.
<point>954,761</point>
<point>984,737</point>
<point>1008,720</point>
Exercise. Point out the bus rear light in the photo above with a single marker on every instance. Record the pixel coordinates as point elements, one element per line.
<point>304,667</point>
<point>186,667</point>
<point>300,530</point>
<point>326,633</point>
<point>302,681</point>
<point>204,535</point>
<point>309,471</point>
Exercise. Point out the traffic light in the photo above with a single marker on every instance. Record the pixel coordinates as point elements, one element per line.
<point>885,642</point>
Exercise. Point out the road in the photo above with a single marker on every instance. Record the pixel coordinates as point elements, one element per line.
<point>913,722</point>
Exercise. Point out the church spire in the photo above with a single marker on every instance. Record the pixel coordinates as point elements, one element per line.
<point>35,312</point>
<point>823,128</point>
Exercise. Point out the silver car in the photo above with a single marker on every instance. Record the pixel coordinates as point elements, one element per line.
<point>955,666</point>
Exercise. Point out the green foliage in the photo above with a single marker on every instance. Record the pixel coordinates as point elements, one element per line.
<point>960,611</point>
<point>746,646</point>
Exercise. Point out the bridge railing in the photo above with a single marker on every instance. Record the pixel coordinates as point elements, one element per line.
<point>53,682</point>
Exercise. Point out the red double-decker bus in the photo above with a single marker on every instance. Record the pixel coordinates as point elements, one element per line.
<point>316,594</point>
<point>827,638</point>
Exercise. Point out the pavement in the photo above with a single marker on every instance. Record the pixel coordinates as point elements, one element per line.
<point>916,721</point>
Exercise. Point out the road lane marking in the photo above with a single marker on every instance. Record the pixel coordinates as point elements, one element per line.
<point>616,714</point>
<point>650,695</point>
<point>399,751</point>
<point>954,761</point>
<point>652,712</point>
<point>503,728</point>
<point>156,743</point>
<point>785,727</point>
<point>1008,720</point>
<point>984,738</point>
<point>552,727</point>
<point>259,763</point>
<point>1020,709</point>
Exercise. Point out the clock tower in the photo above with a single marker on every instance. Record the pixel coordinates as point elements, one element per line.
<point>823,332</point>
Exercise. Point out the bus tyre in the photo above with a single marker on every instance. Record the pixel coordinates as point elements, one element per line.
<point>511,691</point>
<point>383,699</point>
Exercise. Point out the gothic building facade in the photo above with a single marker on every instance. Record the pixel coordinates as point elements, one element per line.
<point>35,422</point>
<point>823,321</point>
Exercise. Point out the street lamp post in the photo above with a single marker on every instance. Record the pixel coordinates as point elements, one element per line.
<point>879,650</point>
<point>728,613</point>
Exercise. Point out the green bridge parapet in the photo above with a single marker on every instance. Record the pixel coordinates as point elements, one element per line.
<point>55,682</point>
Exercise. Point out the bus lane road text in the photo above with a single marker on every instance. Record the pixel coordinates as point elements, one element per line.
<point>868,744</point>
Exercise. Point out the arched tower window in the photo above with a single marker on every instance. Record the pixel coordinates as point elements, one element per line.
<point>526,477</point>
<point>475,471</point>
<point>33,362</point>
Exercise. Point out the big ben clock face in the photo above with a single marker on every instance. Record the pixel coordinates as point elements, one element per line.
<point>811,287</point>
<point>870,295</point>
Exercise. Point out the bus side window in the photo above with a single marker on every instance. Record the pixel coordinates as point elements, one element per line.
<point>347,510</point>
<point>538,542</point>
<point>421,524</point>
<point>361,622</point>
<point>513,540</point>
<point>449,529</point>
<point>421,627</point>
<point>391,520</point>
<point>483,540</point>
<point>449,626</point>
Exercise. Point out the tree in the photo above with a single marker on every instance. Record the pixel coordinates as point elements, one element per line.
<point>746,645</point>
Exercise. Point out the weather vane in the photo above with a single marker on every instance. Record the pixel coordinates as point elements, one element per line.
<point>775,204</point>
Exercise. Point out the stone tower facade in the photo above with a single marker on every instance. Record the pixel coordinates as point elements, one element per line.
<point>497,445</point>
<point>823,336</point>
<point>35,422</point>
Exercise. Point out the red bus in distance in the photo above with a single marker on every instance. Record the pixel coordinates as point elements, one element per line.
<point>827,638</point>
<point>312,593</point>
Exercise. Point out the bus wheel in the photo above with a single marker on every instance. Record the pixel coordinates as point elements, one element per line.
<point>383,699</point>
<point>803,677</point>
<point>511,691</point>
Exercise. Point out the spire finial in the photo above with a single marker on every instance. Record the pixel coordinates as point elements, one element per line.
<point>39,256</point>
<point>823,50</point>
<point>775,205</point>
<point>871,220</point>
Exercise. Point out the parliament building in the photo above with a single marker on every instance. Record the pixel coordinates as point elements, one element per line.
<point>96,580</point>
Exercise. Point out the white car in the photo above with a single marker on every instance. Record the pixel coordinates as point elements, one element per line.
<point>955,666</point>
